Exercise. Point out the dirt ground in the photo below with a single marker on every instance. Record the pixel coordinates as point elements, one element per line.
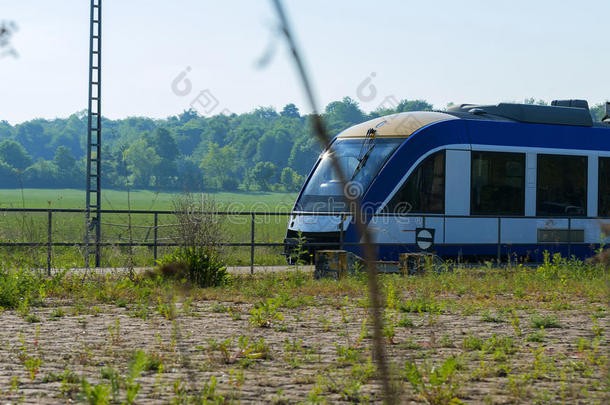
<point>314,354</point>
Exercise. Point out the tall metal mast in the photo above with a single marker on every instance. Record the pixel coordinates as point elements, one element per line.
<point>94,137</point>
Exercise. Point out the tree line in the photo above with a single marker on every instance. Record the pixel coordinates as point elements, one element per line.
<point>261,150</point>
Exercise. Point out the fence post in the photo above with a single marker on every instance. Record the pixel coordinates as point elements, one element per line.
<point>252,243</point>
<point>49,240</point>
<point>569,237</point>
<point>155,235</point>
<point>341,233</point>
<point>499,239</point>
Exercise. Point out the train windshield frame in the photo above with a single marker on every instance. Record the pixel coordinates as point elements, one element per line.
<point>360,158</point>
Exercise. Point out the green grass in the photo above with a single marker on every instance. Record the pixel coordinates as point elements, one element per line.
<point>69,227</point>
<point>140,199</point>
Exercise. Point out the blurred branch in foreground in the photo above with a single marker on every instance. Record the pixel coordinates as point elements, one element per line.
<point>7,29</point>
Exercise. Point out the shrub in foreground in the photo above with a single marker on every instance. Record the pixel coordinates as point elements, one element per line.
<point>200,266</point>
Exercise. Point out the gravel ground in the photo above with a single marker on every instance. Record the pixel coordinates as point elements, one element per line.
<point>306,357</point>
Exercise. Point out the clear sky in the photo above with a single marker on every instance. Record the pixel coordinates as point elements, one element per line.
<point>441,51</point>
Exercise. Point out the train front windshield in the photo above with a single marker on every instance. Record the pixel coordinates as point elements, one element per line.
<point>360,160</point>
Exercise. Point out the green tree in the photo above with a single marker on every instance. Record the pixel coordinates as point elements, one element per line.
<point>343,114</point>
<point>15,155</point>
<point>290,111</point>
<point>32,137</point>
<point>164,144</point>
<point>219,166</point>
<point>141,161</point>
<point>290,180</point>
<point>64,160</point>
<point>275,147</point>
<point>413,105</point>
<point>262,174</point>
<point>598,111</point>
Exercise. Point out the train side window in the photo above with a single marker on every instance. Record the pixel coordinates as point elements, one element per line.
<point>497,184</point>
<point>604,187</point>
<point>561,187</point>
<point>424,190</point>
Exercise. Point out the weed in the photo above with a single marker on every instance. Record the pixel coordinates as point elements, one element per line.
<point>114,333</point>
<point>246,350</point>
<point>410,344</point>
<point>544,321</point>
<point>207,395</point>
<point>503,344</point>
<point>543,366</point>
<point>489,317</point>
<point>31,318</point>
<point>515,322</point>
<point>139,363</point>
<point>201,266</point>
<point>265,313</point>
<point>219,308</point>
<point>405,322</point>
<point>98,394</point>
<point>114,378</point>
<point>423,303</point>
<point>389,326</point>
<point>236,378</point>
<point>235,313</point>
<point>472,343</point>
<point>363,372</point>
<point>32,363</point>
<point>436,384</point>
<point>56,314</point>
<point>326,323</point>
<point>348,354</point>
<point>536,337</point>
<point>446,341</point>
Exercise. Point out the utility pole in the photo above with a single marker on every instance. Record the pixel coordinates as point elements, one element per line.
<point>94,138</point>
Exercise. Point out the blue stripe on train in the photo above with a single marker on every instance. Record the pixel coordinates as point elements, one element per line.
<point>535,253</point>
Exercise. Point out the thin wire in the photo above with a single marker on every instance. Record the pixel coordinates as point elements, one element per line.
<point>369,249</point>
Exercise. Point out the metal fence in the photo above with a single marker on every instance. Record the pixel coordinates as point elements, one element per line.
<point>154,242</point>
<point>248,219</point>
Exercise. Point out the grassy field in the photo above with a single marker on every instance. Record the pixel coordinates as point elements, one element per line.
<point>143,200</point>
<point>483,336</point>
<point>69,227</point>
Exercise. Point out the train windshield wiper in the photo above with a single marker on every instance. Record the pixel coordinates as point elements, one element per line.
<point>363,157</point>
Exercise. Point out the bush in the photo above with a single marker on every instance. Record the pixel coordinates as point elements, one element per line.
<point>199,234</point>
<point>19,287</point>
<point>200,266</point>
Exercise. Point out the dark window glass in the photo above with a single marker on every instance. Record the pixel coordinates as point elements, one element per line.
<point>498,183</point>
<point>561,187</point>
<point>424,190</point>
<point>604,187</point>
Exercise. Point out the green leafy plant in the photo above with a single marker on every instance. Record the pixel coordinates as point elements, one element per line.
<point>265,313</point>
<point>98,394</point>
<point>472,343</point>
<point>201,266</point>
<point>246,350</point>
<point>537,337</point>
<point>422,303</point>
<point>489,317</point>
<point>436,384</point>
<point>347,355</point>
<point>544,321</point>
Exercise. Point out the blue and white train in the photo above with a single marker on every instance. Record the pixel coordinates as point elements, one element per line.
<point>505,180</point>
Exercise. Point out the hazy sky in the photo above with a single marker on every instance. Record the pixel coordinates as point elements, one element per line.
<point>442,51</point>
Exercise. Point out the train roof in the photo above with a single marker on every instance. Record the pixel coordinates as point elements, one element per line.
<point>560,112</point>
<point>402,125</point>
